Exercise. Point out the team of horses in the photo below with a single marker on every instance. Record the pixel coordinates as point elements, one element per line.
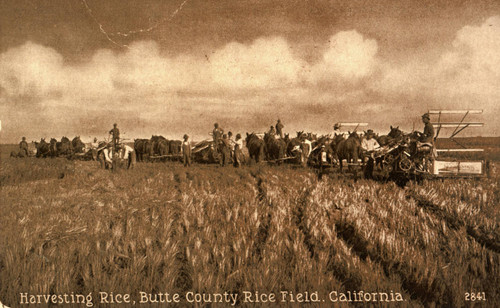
<point>63,148</point>
<point>157,146</point>
<point>307,147</point>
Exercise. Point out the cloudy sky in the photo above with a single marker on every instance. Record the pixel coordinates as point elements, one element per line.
<point>71,67</point>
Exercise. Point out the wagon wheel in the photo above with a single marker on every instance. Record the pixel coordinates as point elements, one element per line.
<point>405,164</point>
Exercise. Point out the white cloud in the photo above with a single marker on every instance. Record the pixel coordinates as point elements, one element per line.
<point>349,56</point>
<point>266,63</point>
<point>261,79</point>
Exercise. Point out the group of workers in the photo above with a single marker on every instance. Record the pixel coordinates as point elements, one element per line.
<point>227,147</point>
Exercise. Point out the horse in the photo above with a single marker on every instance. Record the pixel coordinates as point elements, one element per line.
<point>142,147</point>
<point>174,147</point>
<point>42,148</point>
<point>395,135</point>
<point>349,149</point>
<point>275,148</point>
<point>64,147</point>
<point>256,147</point>
<point>78,145</point>
<point>159,145</point>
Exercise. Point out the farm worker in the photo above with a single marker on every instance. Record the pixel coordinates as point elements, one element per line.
<point>428,135</point>
<point>217,134</point>
<point>115,132</point>
<point>238,146</point>
<point>23,148</point>
<point>337,132</point>
<point>108,156</point>
<point>93,146</point>
<point>369,145</point>
<point>272,132</point>
<point>279,128</point>
<point>129,154</point>
<point>306,146</point>
<point>186,151</point>
<point>231,143</point>
<point>224,148</point>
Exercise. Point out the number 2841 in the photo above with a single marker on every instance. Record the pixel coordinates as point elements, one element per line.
<point>474,296</point>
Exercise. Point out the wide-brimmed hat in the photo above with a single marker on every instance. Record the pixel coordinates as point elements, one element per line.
<point>426,116</point>
<point>336,126</point>
<point>186,136</point>
<point>370,132</point>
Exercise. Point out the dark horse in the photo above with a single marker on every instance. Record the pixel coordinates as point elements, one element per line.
<point>349,149</point>
<point>174,147</point>
<point>256,147</point>
<point>394,136</point>
<point>275,148</point>
<point>142,147</point>
<point>42,148</point>
<point>78,145</point>
<point>64,147</point>
<point>160,145</point>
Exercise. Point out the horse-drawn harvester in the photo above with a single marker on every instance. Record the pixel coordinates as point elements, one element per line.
<point>409,159</point>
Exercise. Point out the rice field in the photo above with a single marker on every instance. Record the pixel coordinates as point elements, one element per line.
<point>68,227</point>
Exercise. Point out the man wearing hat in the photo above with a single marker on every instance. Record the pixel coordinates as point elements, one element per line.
<point>186,151</point>
<point>369,145</point>
<point>428,135</point>
<point>107,161</point>
<point>337,132</point>
<point>23,148</point>
<point>115,132</point>
<point>217,135</point>
<point>279,128</point>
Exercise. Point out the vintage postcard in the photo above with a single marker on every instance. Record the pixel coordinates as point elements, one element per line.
<point>251,153</point>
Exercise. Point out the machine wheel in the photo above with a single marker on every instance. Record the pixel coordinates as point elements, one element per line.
<point>405,164</point>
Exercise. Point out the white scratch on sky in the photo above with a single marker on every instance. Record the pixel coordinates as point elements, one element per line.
<point>109,35</point>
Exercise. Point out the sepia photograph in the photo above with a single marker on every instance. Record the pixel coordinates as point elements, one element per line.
<point>249,153</point>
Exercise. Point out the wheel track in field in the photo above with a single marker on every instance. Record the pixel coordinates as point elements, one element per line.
<point>263,232</point>
<point>350,282</point>
<point>453,222</point>
<point>418,290</point>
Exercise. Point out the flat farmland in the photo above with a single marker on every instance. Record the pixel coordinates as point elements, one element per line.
<point>70,227</point>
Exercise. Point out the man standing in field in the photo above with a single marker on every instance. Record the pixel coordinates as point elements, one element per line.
<point>231,143</point>
<point>186,151</point>
<point>369,145</point>
<point>23,148</point>
<point>238,146</point>
<point>279,128</point>
<point>217,134</point>
<point>115,132</point>
<point>107,157</point>
<point>93,147</point>
<point>127,153</point>
<point>224,148</point>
